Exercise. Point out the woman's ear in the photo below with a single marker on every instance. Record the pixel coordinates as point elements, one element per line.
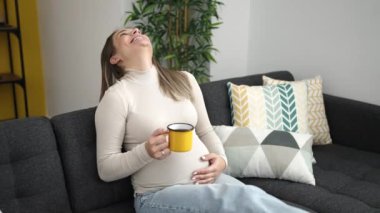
<point>115,59</point>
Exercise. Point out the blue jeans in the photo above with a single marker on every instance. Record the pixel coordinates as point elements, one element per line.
<point>227,194</point>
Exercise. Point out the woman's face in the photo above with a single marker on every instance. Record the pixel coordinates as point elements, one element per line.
<point>130,43</point>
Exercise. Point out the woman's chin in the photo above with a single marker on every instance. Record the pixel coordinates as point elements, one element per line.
<point>141,42</point>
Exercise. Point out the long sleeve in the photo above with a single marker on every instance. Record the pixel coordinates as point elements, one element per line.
<point>204,128</point>
<point>110,121</point>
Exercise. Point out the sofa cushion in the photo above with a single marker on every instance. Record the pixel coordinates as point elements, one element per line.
<point>347,180</point>
<point>31,175</point>
<point>75,132</point>
<point>216,96</point>
<point>267,153</point>
<point>278,107</point>
<point>317,120</point>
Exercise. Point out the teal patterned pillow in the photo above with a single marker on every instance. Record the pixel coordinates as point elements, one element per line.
<point>277,107</point>
<point>267,153</point>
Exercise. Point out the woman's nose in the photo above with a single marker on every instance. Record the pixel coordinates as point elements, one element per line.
<point>136,31</point>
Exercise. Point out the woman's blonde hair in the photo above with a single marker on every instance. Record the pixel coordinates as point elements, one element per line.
<point>173,83</point>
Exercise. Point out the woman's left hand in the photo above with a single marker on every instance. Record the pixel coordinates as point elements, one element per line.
<point>209,174</point>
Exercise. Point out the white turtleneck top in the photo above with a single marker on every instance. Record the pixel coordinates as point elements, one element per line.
<point>127,115</point>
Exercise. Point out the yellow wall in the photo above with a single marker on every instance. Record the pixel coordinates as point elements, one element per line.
<point>32,62</point>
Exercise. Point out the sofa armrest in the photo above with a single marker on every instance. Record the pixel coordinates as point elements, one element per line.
<point>353,123</point>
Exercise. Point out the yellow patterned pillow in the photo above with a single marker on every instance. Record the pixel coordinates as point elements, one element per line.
<point>277,107</point>
<point>316,109</point>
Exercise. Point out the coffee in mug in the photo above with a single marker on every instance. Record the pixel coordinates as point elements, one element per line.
<point>180,137</point>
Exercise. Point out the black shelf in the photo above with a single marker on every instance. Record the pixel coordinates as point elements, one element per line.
<point>8,28</point>
<point>11,77</point>
<point>8,78</point>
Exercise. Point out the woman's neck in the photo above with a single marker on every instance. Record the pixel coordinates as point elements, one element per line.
<point>139,64</point>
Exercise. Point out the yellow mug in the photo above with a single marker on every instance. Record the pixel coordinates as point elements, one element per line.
<point>180,137</point>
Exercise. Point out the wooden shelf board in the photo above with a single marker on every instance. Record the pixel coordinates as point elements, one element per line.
<point>7,28</point>
<point>9,78</point>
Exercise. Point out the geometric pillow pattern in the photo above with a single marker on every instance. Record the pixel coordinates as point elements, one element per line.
<point>267,153</point>
<point>277,107</point>
<point>317,120</point>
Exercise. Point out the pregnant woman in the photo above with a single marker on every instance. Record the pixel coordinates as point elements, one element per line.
<point>138,100</point>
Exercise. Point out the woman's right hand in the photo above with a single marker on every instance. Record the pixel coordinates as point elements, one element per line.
<point>157,145</point>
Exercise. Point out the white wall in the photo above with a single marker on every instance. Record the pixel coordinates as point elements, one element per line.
<point>338,39</point>
<point>232,39</point>
<point>73,33</point>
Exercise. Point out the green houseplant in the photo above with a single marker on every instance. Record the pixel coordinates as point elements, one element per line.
<point>180,31</point>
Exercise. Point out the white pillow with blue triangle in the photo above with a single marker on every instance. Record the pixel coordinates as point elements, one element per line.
<point>265,153</point>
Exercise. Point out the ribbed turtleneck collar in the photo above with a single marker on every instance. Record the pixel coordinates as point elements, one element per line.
<point>142,76</point>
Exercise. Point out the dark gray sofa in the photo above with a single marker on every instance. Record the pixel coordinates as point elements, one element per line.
<point>49,165</point>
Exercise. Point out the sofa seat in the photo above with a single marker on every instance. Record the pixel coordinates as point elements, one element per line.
<point>347,180</point>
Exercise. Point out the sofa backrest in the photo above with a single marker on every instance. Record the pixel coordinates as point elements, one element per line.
<point>216,96</point>
<point>353,123</point>
<point>31,175</point>
<point>76,137</point>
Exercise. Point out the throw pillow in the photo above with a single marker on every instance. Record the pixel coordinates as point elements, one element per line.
<point>277,107</point>
<point>267,153</point>
<point>317,120</point>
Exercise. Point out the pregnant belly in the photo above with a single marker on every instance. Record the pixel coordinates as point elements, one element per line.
<point>177,168</point>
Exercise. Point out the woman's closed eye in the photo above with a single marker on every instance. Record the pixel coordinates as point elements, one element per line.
<point>124,33</point>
